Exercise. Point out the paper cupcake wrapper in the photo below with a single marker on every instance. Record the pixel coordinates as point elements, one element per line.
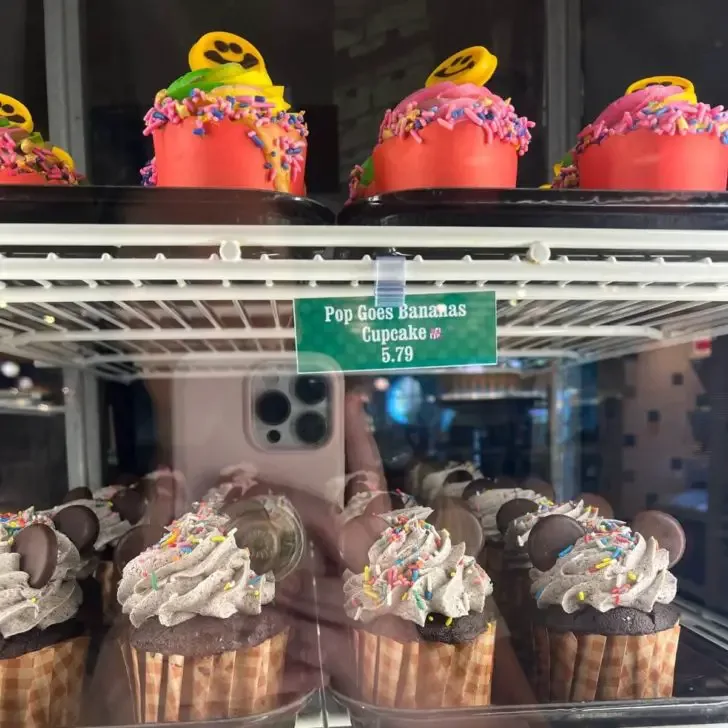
<point>43,689</point>
<point>586,667</point>
<point>108,578</point>
<point>410,675</point>
<point>516,605</point>
<point>174,688</point>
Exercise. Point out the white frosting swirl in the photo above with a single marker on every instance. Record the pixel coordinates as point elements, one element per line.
<point>520,528</point>
<point>196,569</point>
<point>434,483</point>
<point>359,502</point>
<point>21,606</point>
<point>607,569</point>
<point>413,571</point>
<point>487,503</point>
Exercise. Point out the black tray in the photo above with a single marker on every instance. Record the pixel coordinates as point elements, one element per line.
<point>543,208</point>
<point>157,206</point>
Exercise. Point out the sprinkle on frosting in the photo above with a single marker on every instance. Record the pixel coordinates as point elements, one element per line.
<point>448,104</point>
<point>279,135</point>
<point>609,567</point>
<point>414,571</point>
<point>23,607</point>
<point>23,153</point>
<point>649,109</point>
<point>197,568</point>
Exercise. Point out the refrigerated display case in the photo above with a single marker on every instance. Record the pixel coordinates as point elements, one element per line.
<point>176,334</point>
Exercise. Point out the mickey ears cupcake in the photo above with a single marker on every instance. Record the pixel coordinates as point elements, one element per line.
<point>225,124</point>
<point>658,136</point>
<point>452,133</point>
<point>25,159</point>
<point>608,629</point>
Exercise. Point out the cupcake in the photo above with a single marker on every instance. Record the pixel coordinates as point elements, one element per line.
<point>607,628</point>
<point>118,509</point>
<point>452,133</point>
<point>225,124</point>
<point>423,634</point>
<point>450,481</point>
<point>485,498</point>
<point>655,137</point>
<point>25,159</point>
<point>516,519</point>
<point>44,644</point>
<point>204,641</point>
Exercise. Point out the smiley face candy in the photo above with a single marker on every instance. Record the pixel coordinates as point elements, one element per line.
<point>454,132</point>
<point>24,157</point>
<point>225,124</point>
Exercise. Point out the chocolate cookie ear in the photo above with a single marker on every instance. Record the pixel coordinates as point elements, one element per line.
<point>539,486</point>
<point>461,475</point>
<point>478,486</point>
<point>232,496</point>
<point>513,509</point>
<point>134,542</point>
<point>602,505</point>
<point>357,537</point>
<point>80,525</point>
<point>236,508</point>
<point>38,548</point>
<point>549,537</point>
<point>130,504</point>
<point>77,494</point>
<point>665,529</point>
<point>451,515</point>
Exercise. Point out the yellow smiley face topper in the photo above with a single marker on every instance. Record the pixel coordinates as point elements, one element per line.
<point>217,48</point>
<point>688,94</point>
<point>13,113</point>
<point>64,157</point>
<point>473,65</point>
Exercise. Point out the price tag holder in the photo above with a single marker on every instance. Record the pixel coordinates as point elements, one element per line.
<point>429,331</point>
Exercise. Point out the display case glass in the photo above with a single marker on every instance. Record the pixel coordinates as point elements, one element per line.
<point>362,364</point>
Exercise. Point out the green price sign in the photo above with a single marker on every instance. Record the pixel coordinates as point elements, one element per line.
<point>430,330</point>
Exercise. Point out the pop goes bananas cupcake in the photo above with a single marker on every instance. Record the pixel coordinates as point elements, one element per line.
<point>25,159</point>
<point>607,627</point>
<point>204,641</point>
<point>452,133</point>
<point>225,124</point>
<point>658,136</point>
<point>422,633</point>
<point>44,644</point>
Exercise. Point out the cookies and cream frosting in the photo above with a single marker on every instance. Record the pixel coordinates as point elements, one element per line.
<point>487,503</point>
<point>414,571</point>
<point>23,607</point>
<point>196,569</point>
<point>607,568</point>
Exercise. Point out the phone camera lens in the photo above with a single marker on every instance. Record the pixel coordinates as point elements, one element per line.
<point>310,428</point>
<point>311,390</point>
<point>274,437</point>
<point>273,408</point>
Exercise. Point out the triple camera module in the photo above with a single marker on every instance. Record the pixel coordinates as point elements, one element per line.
<point>295,411</point>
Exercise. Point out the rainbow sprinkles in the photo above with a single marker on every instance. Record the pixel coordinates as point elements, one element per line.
<point>283,155</point>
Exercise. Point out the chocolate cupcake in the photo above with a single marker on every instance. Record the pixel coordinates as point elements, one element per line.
<point>485,497</point>
<point>44,644</point>
<point>204,641</point>
<point>423,634</point>
<point>607,627</point>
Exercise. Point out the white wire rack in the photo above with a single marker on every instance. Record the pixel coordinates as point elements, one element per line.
<point>181,300</point>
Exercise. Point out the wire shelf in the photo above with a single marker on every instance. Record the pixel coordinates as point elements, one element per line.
<point>175,300</point>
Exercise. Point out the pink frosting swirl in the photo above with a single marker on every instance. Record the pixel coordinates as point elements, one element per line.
<point>453,95</point>
<point>634,102</point>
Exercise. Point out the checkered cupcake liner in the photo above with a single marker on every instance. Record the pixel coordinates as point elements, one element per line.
<point>43,689</point>
<point>421,675</point>
<point>174,688</point>
<point>516,605</point>
<point>586,667</point>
